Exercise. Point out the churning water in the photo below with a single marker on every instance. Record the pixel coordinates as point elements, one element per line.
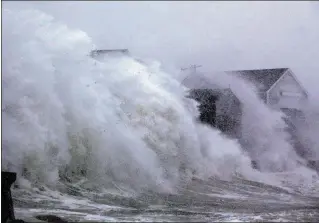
<point>116,139</point>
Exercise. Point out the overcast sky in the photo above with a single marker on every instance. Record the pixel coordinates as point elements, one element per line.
<point>217,35</point>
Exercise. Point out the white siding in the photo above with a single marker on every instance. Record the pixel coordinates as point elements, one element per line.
<point>287,93</point>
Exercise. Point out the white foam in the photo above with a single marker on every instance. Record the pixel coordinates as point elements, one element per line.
<point>119,120</point>
<point>121,123</point>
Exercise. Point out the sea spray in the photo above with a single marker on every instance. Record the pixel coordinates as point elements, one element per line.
<point>113,122</point>
<point>263,131</point>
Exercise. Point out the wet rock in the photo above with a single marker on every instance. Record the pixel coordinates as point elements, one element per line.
<point>51,218</point>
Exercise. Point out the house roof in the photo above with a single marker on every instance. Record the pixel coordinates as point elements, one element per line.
<point>217,92</point>
<point>113,51</point>
<point>201,84</point>
<point>262,78</point>
<point>198,81</point>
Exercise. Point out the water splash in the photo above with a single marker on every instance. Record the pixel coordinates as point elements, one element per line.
<point>117,121</point>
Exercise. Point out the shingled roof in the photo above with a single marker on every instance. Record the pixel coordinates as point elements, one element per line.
<point>262,78</point>
<point>95,53</point>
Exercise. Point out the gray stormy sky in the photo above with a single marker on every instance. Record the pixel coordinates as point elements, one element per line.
<point>217,35</point>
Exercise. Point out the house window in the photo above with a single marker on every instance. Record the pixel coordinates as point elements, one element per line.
<point>290,94</point>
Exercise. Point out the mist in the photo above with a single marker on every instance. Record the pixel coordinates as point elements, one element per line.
<point>217,35</point>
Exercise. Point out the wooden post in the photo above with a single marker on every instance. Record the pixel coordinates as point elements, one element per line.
<point>7,211</point>
<point>194,67</point>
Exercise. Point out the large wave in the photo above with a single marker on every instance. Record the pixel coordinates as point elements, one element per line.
<point>68,117</point>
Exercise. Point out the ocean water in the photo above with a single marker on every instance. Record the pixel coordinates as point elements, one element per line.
<point>117,140</point>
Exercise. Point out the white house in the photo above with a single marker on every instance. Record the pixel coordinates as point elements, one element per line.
<point>278,88</point>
